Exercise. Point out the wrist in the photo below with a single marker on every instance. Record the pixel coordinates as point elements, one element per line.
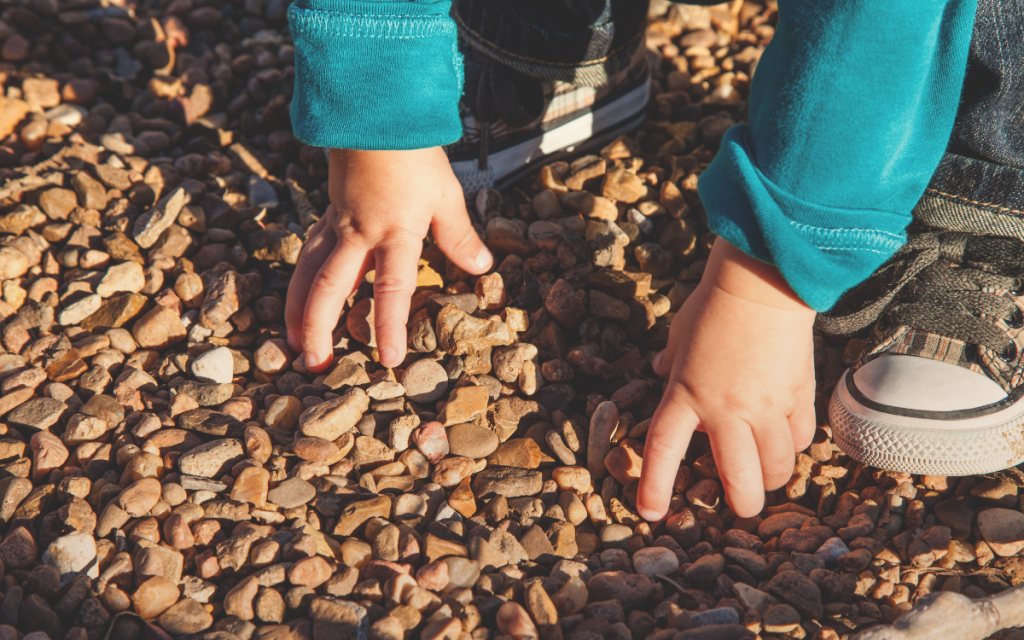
<point>738,274</point>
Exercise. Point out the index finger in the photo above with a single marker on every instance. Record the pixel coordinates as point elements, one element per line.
<point>667,440</point>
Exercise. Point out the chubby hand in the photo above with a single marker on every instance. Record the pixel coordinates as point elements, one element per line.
<point>740,362</point>
<point>382,205</point>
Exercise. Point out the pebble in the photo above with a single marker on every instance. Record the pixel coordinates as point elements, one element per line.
<point>1003,530</point>
<point>216,365</point>
<point>424,381</point>
<point>654,561</point>
<point>293,492</point>
<point>471,440</point>
<point>73,554</point>
<point>212,459</point>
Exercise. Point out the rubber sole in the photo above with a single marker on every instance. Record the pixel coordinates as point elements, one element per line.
<point>978,445</point>
<point>591,129</point>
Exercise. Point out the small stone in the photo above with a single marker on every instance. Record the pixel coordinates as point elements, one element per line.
<point>58,203</point>
<point>602,425</point>
<point>140,497</point>
<point>507,481</point>
<point>424,381</point>
<point>565,303</point>
<point>154,222</point>
<point>154,596</point>
<point>799,591</point>
<point>273,356</point>
<point>655,560</point>
<point>293,492</point>
<point>464,405</point>
<point>252,485</point>
<point>216,365</point>
<point>309,572</point>
<point>1003,530</point>
<point>471,440</point>
<point>72,554</point>
<point>623,185</point>
<point>125,277</point>
<point>185,617</point>
<point>159,329</point>
<point>523,453</point>
<point>48,453</point>
<point>431,440</point>
<point>513,620</point>
<point>334,418</point>
<point>631,589</point>
<point>360,322</point>
<point>705,570</point>
<point>212,459</point>
<point>38,413</point>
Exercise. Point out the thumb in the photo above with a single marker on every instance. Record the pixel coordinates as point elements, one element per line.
<point>457,238</point>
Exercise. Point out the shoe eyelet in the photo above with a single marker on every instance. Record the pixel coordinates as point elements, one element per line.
<point>1009,355</point>
<point>1016,320</point>
<point>972,353</point>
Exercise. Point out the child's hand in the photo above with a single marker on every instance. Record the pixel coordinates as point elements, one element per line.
<point>382,204</point>
<point>741,364</point>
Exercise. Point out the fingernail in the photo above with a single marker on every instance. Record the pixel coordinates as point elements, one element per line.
<point>650,515</point>
<point>483,259</point>
<point>313,362</point>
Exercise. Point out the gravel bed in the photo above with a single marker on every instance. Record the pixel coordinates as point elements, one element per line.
<point>169,468</point>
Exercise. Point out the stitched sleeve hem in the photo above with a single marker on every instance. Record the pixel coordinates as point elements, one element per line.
<point>821,251</point>
<point>376,82</point>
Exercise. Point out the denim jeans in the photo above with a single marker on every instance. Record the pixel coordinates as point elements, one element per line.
<point>978,186</point>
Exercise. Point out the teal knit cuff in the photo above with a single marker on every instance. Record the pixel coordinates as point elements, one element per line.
<point>368,76</point>
<point>821,251</point>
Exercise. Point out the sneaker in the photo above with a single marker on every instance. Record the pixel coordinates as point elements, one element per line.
<point>538,120</point>
<point>939,386</point>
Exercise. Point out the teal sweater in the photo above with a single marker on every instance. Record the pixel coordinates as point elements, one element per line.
<point>851,108</point>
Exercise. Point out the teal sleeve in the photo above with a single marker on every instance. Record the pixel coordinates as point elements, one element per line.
<point>375,74</point>
<point>851,107</point>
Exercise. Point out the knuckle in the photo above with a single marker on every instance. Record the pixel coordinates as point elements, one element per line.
<point>393,285</point>
<point>326,281</point>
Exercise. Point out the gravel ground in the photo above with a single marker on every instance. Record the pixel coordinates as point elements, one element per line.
<point>170,468</point>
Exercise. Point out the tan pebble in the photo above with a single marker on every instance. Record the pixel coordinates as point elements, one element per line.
<point>573,479</point>
<point>238,602</point>
<point>154,596</point>
<point>309,572</point>
<point>512,620</point>
<point>624,462</point>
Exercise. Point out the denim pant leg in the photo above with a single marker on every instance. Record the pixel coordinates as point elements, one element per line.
<point>979,185</point>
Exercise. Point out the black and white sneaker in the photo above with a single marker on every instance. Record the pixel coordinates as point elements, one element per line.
<point>939,386</point>
<point>493,154</point>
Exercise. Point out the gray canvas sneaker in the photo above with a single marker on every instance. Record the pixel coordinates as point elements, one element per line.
<point>938,387</point>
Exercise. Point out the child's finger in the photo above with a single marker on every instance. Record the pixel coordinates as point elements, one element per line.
<point>457,238</point>
<point>394,283</point>
<point>803,423</point>
<point>665,359</point>
<point>334,282</point>
<point>667,441</point>
<point>317,248</point>
<point>775,450</point>
<point>739,467</point>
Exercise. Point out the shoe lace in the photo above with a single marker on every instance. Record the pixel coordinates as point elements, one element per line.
<point>948,283</point>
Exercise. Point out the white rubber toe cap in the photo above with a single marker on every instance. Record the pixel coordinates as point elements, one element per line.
<point>923,384</point>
